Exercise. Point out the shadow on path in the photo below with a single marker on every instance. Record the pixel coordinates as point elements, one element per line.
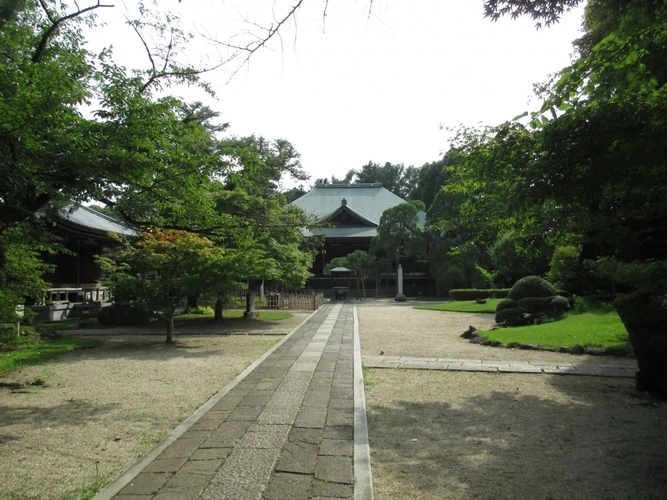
<point>587,439</point>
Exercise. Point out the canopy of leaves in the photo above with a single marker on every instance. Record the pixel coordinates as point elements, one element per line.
<point>398,234</point>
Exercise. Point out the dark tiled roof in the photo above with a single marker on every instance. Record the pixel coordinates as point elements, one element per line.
<point>93,220</point>
<point>367,200</point>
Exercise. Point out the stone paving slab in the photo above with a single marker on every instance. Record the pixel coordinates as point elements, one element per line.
<point>479,365</point>
<point>285,430</point>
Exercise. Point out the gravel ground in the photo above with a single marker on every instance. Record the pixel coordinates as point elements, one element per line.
<point>400,330</point>
<point>101,409</point>
<point>471,436</point>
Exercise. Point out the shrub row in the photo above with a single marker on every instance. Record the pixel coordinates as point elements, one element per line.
<point>478,293</point>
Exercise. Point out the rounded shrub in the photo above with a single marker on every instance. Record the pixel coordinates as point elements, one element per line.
<point>535,305</point>
<point>559,305</point>
<point>507,304</point>
<point>531,286</point>
<point>512,316</point>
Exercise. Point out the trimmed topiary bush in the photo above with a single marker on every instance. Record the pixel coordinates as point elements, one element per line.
<point>532,286</point>
<point>507,304</point>
<point>512,316</point>
<point>530,300</point>
<point>535,305</point>
<point>559,305</point>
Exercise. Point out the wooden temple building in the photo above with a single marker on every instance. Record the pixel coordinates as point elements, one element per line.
<point>350,215</point>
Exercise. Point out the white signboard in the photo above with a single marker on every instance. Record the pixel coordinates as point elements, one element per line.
<point>20,310</point>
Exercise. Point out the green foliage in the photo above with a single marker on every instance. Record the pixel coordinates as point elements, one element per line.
<point>531,286</point>
<point>565,270</point>
<point>534,305</point>
<point>397,178</point>
<point>162,268</point>
<point>558,306</point>
<point>398,234</point>
<point>21,276</point>
<point>531,298</point>
<point>200,310</point>
<point>477,293</point>
<point>515,255</point>
<point>431,179</point>
<point>507,304</point>
<point>590,329</point>
<point>360,262</point>
<point>511,316</point>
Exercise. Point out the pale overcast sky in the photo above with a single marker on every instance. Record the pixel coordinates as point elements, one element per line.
<point>355,88</point>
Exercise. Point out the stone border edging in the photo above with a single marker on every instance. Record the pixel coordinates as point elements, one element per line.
<point>363,477</point>
<point>478,365</point>
<point>134,470</point>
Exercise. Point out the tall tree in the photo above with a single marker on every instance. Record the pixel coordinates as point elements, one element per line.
<point>397,178</point>
<point>398,234</point>
<point>162,268</point>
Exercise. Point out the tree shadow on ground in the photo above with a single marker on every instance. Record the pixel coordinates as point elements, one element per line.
<point>73,411</point>
<point>588,439</point>
<point>154,348</point>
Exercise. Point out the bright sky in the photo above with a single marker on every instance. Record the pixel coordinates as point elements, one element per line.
<point>355,88</point>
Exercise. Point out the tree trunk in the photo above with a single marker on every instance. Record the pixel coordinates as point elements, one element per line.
<point>218,310</point>
<point>170,328</point>
<point>645,318</point>
<point>193,301</point>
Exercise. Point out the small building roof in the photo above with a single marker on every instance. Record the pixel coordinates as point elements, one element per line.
<point>90,220</point>
<point>367,201</point>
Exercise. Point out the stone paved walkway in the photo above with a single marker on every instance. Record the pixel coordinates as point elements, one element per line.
<point>479,365</point>
<point>293,424</point>
<point>282,430</point>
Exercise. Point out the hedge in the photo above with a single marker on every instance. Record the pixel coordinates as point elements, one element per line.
<point>478,293</point>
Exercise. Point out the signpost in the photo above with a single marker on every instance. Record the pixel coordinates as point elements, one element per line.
<point>19,310</point>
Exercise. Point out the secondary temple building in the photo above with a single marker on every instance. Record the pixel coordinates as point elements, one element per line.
<point>75,280</point>
<point>350,215</point>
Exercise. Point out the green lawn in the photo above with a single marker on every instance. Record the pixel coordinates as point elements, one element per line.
<point>603,329</point>
<point>35,353</point>
<point>69,324</point>
<point>464,306</point>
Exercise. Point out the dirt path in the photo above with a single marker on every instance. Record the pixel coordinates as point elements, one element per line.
<point>102,408</point>
<point>404,331</point>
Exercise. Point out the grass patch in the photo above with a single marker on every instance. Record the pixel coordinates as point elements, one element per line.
<point>469,306</point>
<point>369,381</point>
<point>592,329</point>
<point>69,324</point>
<point>86,490</point>
<point>146,443</point>
<point>35,353</point>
